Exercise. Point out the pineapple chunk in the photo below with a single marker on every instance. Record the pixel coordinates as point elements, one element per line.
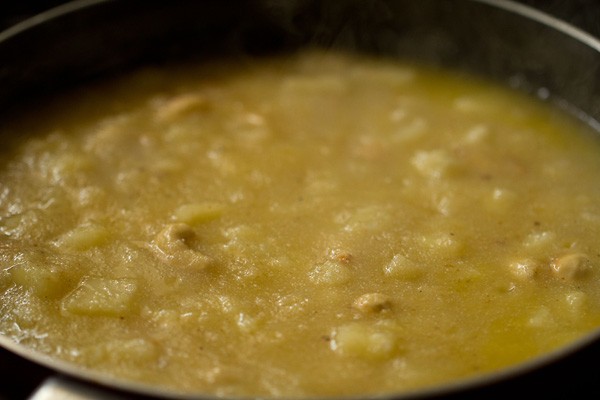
<point>84,237</point>
<point>434,164</point>
<point>364,341</point>
<point>126,351</point>
<point>401,267</point>
<point>539,239</point>
<point>102,297</point>
<point>442,245</point>
<point>524,269</point>
<point>197,213</point>
<point>169,110</point>
<point>330,272</point>
<point>45,275</point>
<point>43,282</point>
<point>371,217</point>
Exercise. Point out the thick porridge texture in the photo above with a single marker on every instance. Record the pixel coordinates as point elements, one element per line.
<point>318,224</point>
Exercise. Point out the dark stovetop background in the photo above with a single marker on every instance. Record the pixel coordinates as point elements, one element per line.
<point>582,13</point>
<point>579,378</point>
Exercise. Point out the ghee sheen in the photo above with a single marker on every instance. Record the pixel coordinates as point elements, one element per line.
<point>318,224</point>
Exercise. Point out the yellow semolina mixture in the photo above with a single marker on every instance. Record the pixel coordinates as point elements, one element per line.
<point>316,224</point>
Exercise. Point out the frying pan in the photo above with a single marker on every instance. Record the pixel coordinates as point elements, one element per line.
<point>498,39</point>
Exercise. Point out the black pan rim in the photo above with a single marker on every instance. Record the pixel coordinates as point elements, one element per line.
<point>111,382</point>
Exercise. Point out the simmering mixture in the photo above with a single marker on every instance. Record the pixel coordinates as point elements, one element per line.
<point>309,225</point>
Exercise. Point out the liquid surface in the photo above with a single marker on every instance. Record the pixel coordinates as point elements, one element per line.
<point>317,225</point>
